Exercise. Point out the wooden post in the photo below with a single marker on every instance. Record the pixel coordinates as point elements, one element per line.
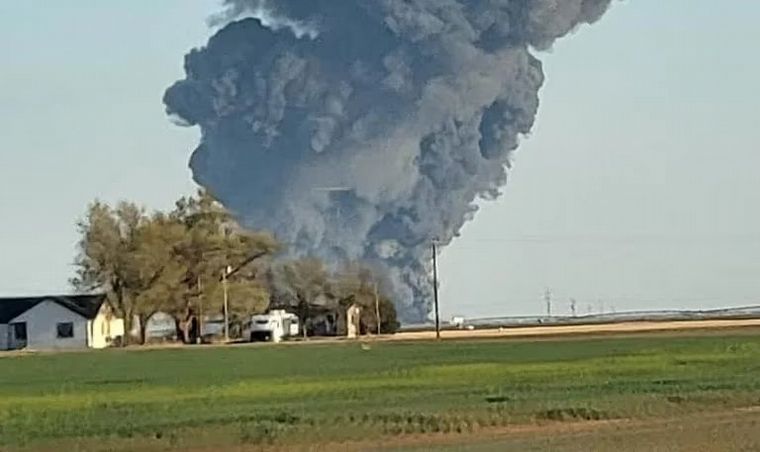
<point>226,297</point>
<point>435,291</point>
<point>377,310</point>
<point>200,310</point>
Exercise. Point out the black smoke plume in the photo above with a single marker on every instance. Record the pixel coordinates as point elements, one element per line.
<point>364,129</point>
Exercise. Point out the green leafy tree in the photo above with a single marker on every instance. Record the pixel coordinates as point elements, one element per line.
<point>160,267</point>
<point>112,256</point>
<point>214,243</point>
<point>166,262</point>
<point>178,263</point>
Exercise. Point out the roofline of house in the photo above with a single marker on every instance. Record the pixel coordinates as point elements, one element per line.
<point>61,300</point>
<point>50,296</point>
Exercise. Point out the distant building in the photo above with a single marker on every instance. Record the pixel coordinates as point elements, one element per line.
<point>353,321</point>
<point>159,326</point>
<point>58,322</point>
<point>327,318</point>
<point>457,321</point>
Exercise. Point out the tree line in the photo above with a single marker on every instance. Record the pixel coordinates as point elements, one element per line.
<point>173,262</point>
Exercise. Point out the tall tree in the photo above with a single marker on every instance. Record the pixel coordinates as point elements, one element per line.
<point>165,262</point>
<point>106,259</point>
<point>215,243</point>
<point>160,267</point>
<point>176,263</point>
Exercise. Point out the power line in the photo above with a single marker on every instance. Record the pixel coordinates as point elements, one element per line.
<point>627,300</point>
<point>743,238</point>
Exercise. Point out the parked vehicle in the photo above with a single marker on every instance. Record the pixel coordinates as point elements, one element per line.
<point>272,327</point>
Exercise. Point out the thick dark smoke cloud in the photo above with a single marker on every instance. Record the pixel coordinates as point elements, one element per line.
<point>366,128</point>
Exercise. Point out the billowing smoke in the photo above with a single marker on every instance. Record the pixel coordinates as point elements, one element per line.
<point>364,129</point>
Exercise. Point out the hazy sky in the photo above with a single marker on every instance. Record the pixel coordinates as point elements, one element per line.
<point>636,190</point>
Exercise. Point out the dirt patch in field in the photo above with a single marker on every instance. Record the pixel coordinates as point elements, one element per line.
<point>719,431</point>
<point>433,440</point>
<point>724,431</point>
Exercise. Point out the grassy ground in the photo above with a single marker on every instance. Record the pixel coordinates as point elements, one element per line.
<point>286,396</point>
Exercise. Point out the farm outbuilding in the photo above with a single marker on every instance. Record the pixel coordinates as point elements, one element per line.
<point>58,322</point>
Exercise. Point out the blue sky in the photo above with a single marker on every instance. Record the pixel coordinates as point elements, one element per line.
<point>637,188</point>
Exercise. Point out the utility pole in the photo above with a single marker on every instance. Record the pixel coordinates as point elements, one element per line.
<point>200,310</point>
<point>435,290</point>
<point>548,300</point>
<point>225,272</point>
<point>377,309</point>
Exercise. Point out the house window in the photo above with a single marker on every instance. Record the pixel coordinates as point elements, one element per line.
<point>19,331</point>
<point>65,330</point>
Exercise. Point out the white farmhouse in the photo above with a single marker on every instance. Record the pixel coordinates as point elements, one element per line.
<point>58,322</point>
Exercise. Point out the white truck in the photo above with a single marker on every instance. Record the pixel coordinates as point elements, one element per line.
<point>272,327</point>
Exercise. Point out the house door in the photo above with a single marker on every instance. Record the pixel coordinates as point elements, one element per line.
<point>18,335</point>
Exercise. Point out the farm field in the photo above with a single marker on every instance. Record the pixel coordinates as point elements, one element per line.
<point>638,392</point>
<point>707,431</point>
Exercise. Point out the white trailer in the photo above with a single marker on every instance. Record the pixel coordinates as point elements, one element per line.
<point>273,326</point>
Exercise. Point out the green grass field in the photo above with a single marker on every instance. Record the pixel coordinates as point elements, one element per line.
<point>290,395</point>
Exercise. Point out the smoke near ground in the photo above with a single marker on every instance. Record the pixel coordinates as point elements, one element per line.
<point>364,129</point>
